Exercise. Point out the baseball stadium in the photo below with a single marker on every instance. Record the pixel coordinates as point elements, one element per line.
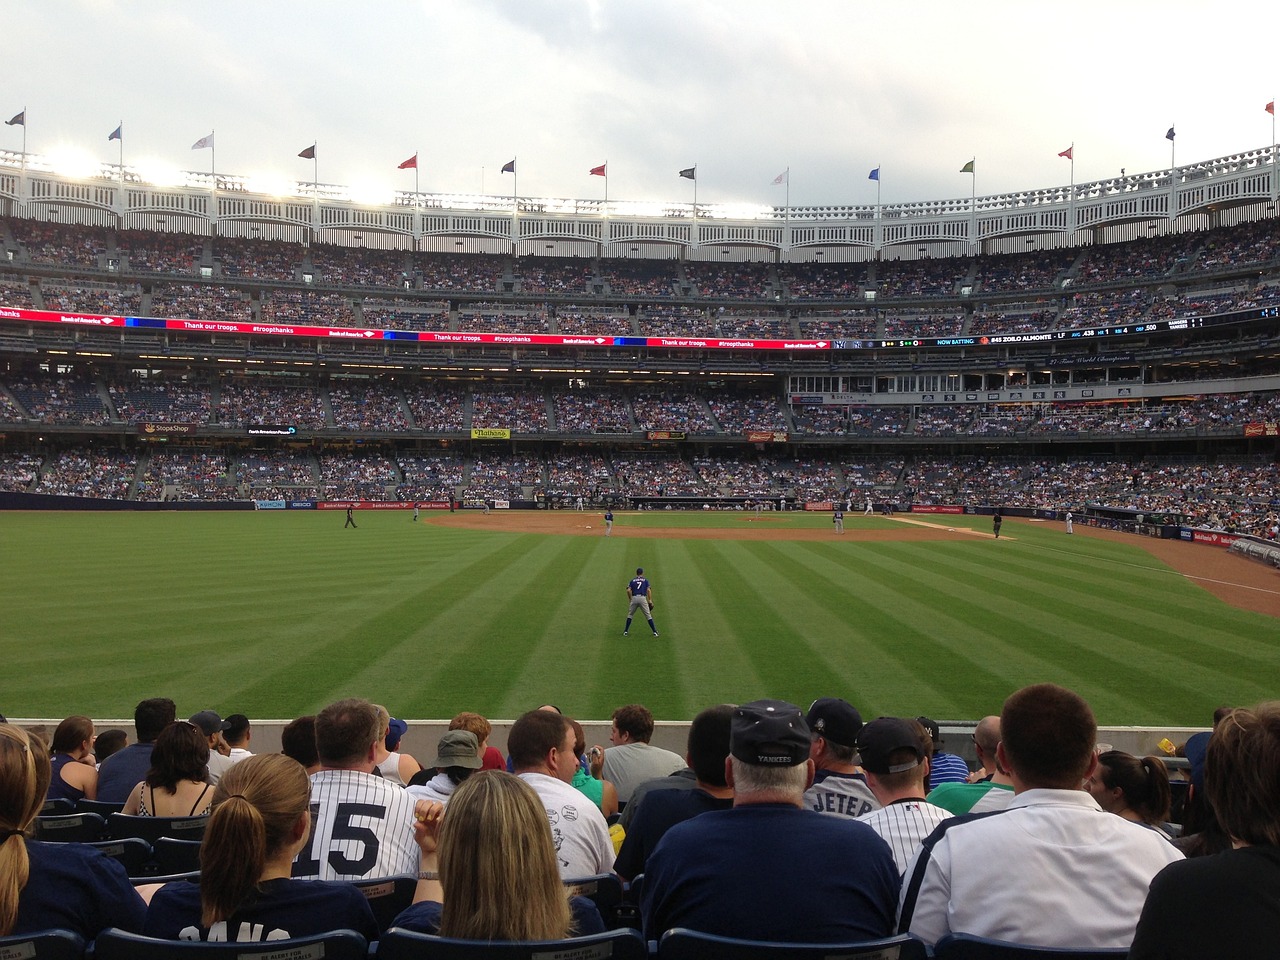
<point>194,378</point>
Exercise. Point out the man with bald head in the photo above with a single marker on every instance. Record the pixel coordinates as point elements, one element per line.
<point>993,792</point>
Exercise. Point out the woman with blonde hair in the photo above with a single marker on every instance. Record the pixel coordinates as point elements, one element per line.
<point>44,886</point>
<point>260,821</point>
<point>175,785</point>
<point>398,768</point>
<point>490,870</point>
<point>75,774</point>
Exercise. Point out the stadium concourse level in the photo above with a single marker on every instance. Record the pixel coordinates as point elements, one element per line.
<point>1238,497</point>
<point>139,273</point>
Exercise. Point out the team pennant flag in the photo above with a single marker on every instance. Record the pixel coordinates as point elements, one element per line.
<point>1069,153</point>
<point>1271,108</point>
<point>874,174</point>
<point>968,167</point>
<point>689,173</point>
<point>18,121</point>
<point>309,153</point>
<point>783,177</point>
<point>116,133</point>
<point>1170,135</point>
<point>598,171</point>
<point>204,143</point>
<point>410,164</point>
<point>509,167</point>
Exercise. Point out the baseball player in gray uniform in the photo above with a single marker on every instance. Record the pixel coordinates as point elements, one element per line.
<point>640,595</point>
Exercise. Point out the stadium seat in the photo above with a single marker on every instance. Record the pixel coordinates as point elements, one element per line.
<point>398,944</point>
<point>176,856</point>
<point>45,945</point>
<point>131,853</point>
<point>680,943</point>
<point>387,896</point>
<point>53,808</point>
<point>71,828</point>
<point>964,946</point>
<point>101,807</point>
<point>605,891</point>
<point>116,944</point>
<point>151,829</point>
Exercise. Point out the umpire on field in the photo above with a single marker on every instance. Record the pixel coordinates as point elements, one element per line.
<point>640,595</point>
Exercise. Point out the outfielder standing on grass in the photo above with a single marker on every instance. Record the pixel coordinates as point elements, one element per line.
<point>837,518</point>
<point>608,521</point>
<point>640,594</point>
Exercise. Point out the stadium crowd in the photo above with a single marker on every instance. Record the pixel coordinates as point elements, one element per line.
<point>863,827</point>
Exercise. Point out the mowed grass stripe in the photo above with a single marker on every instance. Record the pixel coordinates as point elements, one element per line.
<point>277,613</point>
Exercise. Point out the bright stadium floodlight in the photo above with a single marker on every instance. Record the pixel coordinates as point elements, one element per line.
<point>72,162</point>
<point>159,173</point>
<point>371,194</point>
<point>272,184</point>
<point>745,211</point>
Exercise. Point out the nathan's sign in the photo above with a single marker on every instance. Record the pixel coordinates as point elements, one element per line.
<point>490,433</point>
<point>665,435</point>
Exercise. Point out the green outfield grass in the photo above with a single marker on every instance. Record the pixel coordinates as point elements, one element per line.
<point>276,613</point>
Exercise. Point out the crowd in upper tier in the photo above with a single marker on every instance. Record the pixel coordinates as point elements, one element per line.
<point>222,278</point>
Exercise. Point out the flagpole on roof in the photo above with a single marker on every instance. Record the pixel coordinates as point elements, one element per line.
<point>1275,188</point>
<point>879,226</point>
<point>1070,154</point>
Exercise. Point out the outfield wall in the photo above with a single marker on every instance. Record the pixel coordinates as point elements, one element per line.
<point>422,736</point>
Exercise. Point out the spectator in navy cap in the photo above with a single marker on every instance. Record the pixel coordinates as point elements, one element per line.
<point>767,868</point>
<point>212,726</point>
<point>839,789</point>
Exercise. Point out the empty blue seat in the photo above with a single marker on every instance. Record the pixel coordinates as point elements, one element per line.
<point>399,944</point>
<point>964,946</point>
<point>680,943</point>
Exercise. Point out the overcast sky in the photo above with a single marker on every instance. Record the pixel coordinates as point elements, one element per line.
<point>744,89</point>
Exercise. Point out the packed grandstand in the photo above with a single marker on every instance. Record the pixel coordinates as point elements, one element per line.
<point>184,358</point>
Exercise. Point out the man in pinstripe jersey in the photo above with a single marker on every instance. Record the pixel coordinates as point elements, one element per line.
<point>895,759</point>
<point>361,825</point>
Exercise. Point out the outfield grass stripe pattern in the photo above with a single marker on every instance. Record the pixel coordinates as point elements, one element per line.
<point>276,614</point>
